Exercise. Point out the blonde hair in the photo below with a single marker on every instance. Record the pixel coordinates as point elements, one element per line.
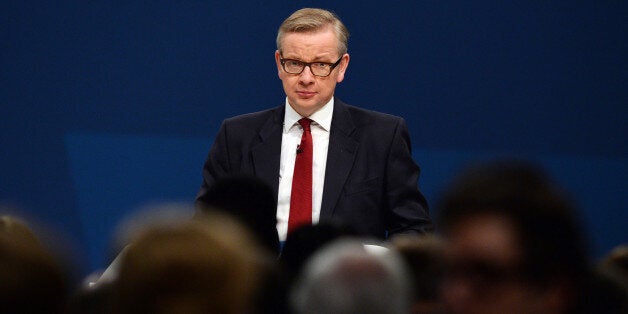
<point>210,264</point>
<point>312,20</point>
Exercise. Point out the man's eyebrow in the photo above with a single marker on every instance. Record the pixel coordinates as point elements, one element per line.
<point>322,57</point>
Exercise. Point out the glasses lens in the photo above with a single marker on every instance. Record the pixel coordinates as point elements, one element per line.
<point>320,69</point>
<point>293,66</point>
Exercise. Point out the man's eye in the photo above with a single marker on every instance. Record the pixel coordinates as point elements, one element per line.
<point>321,65</point>
<point>293,63</point>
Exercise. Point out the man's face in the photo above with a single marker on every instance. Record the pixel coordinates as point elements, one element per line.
<point>306,92</point>
<point>484,273</point>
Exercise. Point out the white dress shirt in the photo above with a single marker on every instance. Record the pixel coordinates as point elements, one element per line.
<point>292,131</point>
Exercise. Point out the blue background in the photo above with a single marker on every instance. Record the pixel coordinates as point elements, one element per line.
<point>109,105</point>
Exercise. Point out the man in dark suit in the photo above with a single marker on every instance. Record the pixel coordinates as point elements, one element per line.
<point>358,171</point>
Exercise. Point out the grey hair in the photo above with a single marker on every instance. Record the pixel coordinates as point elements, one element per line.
<point>312,20</point>
<point>348,277</point>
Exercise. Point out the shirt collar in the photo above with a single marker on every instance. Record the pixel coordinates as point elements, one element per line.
<point>322,117</point>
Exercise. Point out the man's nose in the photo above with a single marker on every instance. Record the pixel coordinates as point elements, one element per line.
<point>306,76</point>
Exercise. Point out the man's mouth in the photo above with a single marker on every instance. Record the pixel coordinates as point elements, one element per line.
<point>306,94</point>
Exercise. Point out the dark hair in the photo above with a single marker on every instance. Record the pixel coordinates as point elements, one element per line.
<point>306,240</point>
<point>424,257</point>
<point>250,200</point>
<point>546,224</point>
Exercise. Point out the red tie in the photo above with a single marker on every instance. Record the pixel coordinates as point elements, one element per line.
<point>301,197</point>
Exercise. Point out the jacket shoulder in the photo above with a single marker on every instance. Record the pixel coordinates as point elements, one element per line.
<point>363,116</point>
<point>253,119</point>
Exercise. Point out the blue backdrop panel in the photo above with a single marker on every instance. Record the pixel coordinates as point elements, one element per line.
<point>540,79</point>
<point>115,175</point>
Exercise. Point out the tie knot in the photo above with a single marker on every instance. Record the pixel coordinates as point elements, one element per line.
<point>305,123</point>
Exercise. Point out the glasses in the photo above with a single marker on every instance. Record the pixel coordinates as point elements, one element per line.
<point>321,69</point>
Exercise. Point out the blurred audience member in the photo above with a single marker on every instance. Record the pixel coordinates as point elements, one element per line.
<point>305,241</point>
<point>609,287</point>
<point>96,294</point>
<point>348,277</point>
<point>615,264</point>
<point>249,199</point>
<point>514,244</point>
<point>150,215</point>
<point>31,278</point>
<point>208,266</point>
<point>424,258</point>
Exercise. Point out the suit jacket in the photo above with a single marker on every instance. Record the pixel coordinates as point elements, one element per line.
<point>370,180</point>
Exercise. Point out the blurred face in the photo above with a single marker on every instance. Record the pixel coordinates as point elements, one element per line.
<point>306,92</point>
<point>484,273</point>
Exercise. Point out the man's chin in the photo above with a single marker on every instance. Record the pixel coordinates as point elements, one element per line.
<point>306,108</point>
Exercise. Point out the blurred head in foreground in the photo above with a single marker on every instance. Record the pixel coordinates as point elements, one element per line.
<point>424,257</point>
<point>348,277</point>
<point>305,240</point>
<point>514,244</point>
<point>611,287</point>
<point>615,264</point>
<point>190,267</point>
<point>251,201</point>
<point>31,279</point>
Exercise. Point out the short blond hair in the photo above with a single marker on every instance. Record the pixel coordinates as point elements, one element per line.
<point>312,20</point>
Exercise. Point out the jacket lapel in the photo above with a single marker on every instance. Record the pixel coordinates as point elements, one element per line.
<point>340,158</point>
<point>266,154</point>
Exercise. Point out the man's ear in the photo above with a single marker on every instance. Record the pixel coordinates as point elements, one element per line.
<point>278,62</point>
<point>342,68</point>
